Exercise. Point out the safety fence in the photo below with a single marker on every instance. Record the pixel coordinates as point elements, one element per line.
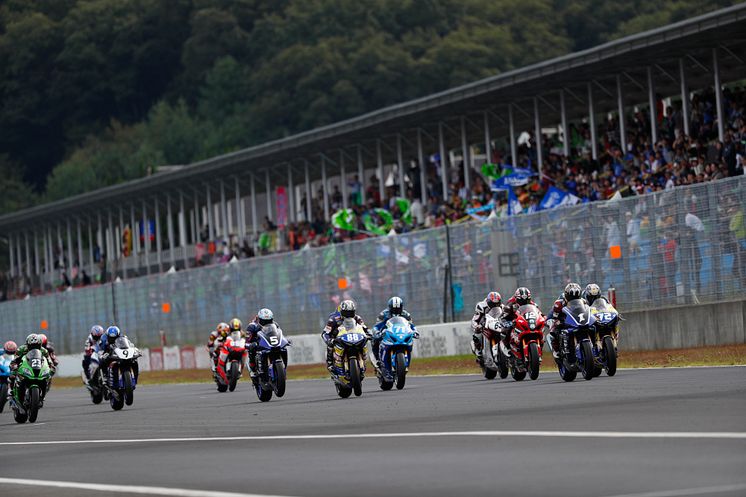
<point>682,246</point>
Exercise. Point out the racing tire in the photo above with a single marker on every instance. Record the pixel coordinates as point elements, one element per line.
<point>3,396</point>
<point>97,398</point>
<point>401,370</point>
<point>280,377</point>
<point>565,373</point>
<point>115,403</point>
<point>18,417</point>
<point>355,380</point>
<point>233,380</point>
<point>262,394</point>
<point>343,392</point>
<point>33,405</point>
<point>610,352</point>
<point>222,388</point>
<point>517,375</point>
<point>533,360</point>
<point>129,395</point>
<point>588,362</point>
<point>385,385</point>
<point>502,365</point>
<point>490,374</point>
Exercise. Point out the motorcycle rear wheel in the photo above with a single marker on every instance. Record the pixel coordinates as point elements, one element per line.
<point>385,385</point>
<point>355,381</point>
<point>97,397</point>
<point>18,417</point>
<point>401,370</point>
<point>490,374</point>
<point>280,377</point>
<point>117,401</point>
<point>610,351</point>
<point>344,392</point>
<point>588,363</point>
<point>533,360</point>
<point>33,407</point>
<point>517,375</point>
<point>3,396</point>
<point>262,394</point>
<point>129,395</point>
<point>222,388</point>
<point>565,373</point>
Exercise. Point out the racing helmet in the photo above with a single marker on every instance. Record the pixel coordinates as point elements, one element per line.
<point>97,331</point>
<point>113,332</point>
<point>265,317</point>
<point>44,339</point>
<point>347,309</point>
<point>396,306</point>
<point>10,347</point>
<point>33,341</point>
<point>522,296</point>
<point>223,329</point>
<point>591,293</point>
<point>236,324</point>
<point>493,299</point>
<point>572,291</point>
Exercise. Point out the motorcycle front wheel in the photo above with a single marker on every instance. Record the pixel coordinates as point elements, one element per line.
<point>588,363</point>
<point>129,395</point>
<point>33,405</point>
<point>401,370</point>
<point>280,377</point>
<point>533,360</point>
<point>610,352</point>
<point>355,380</point>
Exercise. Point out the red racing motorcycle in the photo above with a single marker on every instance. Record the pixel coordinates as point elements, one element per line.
<point>528,331</point>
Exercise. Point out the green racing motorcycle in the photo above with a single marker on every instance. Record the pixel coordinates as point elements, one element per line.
<point>31,385</point>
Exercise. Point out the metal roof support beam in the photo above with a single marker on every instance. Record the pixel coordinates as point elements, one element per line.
<point>11,255</point>
<point>400,167</point>
<point>574,95</point>
<point>135,232</point>
<point>91,261</point>
<point>47,260</point>
<point>379,164</point>
<point>290,195</point>
<point>210,214</point>
<point>603,88</point>
<point>651,103</point>
<point>19,255</point>
<point>36,251</point>
<point>170,231</point>
<point>343,179</point>
<point>621,117</point>
<point>28,255</point>
<point>497,116</point>
<point>158,240</point>
<point>730,52</point>
<point>254,224</point>
<point>146,232</point>
<point>443,161</point>
<point>224,228</point>
<point>684,96</point>
<point>525,114</point>
<point>537,138</point>
<point>511,133</point>
<point>487,140</point>
<point>268,190</point>
<point>109,242</point>
<point>592,123</point>
<point>547,103</point>
<point>563,123</point>
<point>361,173</point>
<point>309,206</point>
<point>718,94</point>
<point>324,187</point>
<point>666,73</point>
<point>421,161</point>
<point>182,229</point>
<point>122,257</point>
<point>698,63</point>
<point>465,156</point>
<point>633,81</point>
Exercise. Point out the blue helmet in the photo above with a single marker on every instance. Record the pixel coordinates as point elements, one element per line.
<point>113,332</point>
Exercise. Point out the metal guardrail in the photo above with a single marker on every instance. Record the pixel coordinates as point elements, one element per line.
<point>682,246</point>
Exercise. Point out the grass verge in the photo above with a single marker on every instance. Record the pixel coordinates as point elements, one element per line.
<point>728,355</point>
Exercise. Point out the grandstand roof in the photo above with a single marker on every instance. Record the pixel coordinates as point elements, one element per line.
<point>692,40</point>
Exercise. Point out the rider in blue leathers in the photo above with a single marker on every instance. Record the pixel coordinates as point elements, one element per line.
<point>395,307</point>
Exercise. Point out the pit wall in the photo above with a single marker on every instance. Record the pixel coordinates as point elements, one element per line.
<point>669,328</point>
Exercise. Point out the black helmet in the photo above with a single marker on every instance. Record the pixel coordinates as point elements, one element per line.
<point>33,341</point>
<point>347,309</point>
<point>396,306</point>
<point>572,292</point>
<point>522,296</point>
<point>591,293</point>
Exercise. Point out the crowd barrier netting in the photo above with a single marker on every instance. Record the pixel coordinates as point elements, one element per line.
<point>678,247</point>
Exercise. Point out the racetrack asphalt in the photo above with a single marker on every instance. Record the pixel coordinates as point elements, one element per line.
<point>641,403</point>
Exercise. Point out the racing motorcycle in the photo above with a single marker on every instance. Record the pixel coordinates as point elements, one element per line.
<point>395,352</point>
<point>122,381</point>
<point>493,360</point>
<point>605,339</point>
<point>349,359</point>
<point>271,362</point>
<point>96,385</point>
<point>4,375</point>
<point>235,346</point>
<point>576,336</point>
<point>31,385</point>
<point>529,326</point>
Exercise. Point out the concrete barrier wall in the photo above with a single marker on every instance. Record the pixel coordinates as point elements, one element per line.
<point>670,328</point>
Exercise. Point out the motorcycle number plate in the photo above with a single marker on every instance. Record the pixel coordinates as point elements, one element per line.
<point>35,363</point>
<point>274,340</point>
<point>353,337</point>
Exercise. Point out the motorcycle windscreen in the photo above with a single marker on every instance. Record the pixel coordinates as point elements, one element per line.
<point>531,314</point>
<point>603,305</point>
<point>35,360</point>
<point>271,335</point>
<point>121,343</point>
<point>578,311</point>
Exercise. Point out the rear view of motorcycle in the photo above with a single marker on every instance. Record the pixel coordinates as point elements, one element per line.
<point>607,331</point>
<point>349,359</point>
<point>122,380</point>
<point>271,363</point>
<point>576,349</point>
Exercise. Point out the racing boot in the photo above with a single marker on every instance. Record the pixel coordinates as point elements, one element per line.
<point>568,348</point>
<point>476,347</point>
<point>330,359</point>
<point>553,343</point>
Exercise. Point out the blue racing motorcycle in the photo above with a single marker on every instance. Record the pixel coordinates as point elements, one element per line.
<point>395,352</point>
<point>270,368</point>
<point>605,340</point>
<point>4,375</point>
<point>577,333</point>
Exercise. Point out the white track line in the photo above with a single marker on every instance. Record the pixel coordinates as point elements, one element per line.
<point>689,491</point>
<point>337,436</point>
<point>127,489</point>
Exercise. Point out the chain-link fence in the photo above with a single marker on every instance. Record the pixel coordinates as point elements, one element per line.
<point>682,246</point>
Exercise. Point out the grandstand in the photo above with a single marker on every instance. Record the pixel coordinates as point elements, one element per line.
<point>184,214</point>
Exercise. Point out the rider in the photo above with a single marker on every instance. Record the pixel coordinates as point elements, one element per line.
<point>521,297</point>
<point>483,307</point>
<point>395,307</point>
<point>572,292</point>
<point>346,310</point>
<point>215,340</point>
<point>234,325</point>
<point>263,318</point>
<point>53,362</point>
<point>33,341</point>
<point>7,352</point>
<point>591,293</point>
<point>106,344</point>
<point>89,347</point>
